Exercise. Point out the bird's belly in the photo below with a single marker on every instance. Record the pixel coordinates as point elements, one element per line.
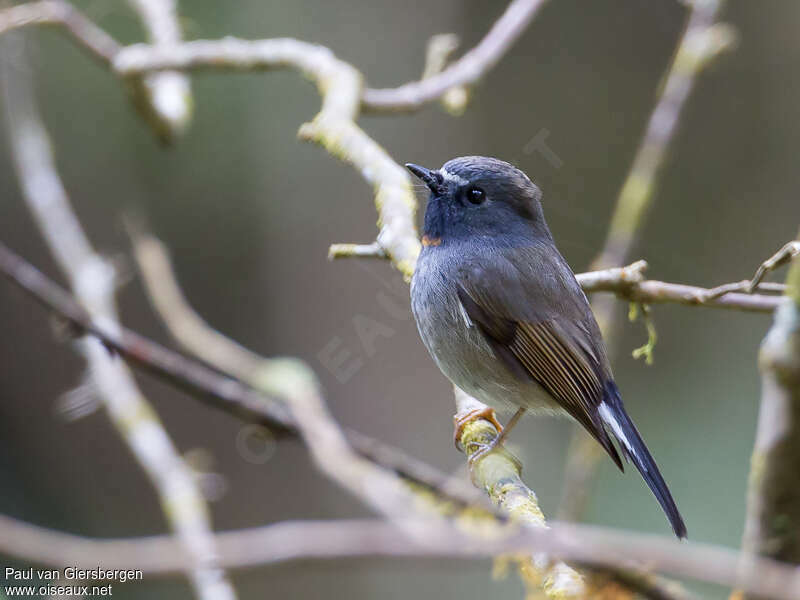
<point>463,355</point>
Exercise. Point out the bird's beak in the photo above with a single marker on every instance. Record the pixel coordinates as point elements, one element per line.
<point>431,178</point>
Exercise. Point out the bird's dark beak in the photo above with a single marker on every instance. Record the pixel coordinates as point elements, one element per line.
<point>431,178</point>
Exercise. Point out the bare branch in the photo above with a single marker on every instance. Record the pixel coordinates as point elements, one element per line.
<point>92,279</point>
<point>58,12</point>
<point>465,71</point>
<point>303,540</point>
<point>788,252</point>
<point>629,284</point>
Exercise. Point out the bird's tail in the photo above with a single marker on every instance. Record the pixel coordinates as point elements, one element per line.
<point>619,423</point>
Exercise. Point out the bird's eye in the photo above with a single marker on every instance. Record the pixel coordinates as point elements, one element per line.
<point>476,195</point>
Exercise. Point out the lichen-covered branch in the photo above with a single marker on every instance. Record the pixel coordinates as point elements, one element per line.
<point>498,474</point>
<point>772,527</point>
<point>93,281</point>
<point>165,99</point>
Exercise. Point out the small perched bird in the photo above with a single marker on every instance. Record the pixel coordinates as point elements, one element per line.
<point>503,316</point>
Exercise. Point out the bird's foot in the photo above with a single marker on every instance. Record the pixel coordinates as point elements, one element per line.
<point>483,450</point>
<point>462,420</point>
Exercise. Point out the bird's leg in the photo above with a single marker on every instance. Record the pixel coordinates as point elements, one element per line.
<point>488,414</point>
<point>504,431</point>
<point>503,434</point>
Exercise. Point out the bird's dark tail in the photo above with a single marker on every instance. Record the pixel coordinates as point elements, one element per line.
<point>620,425</point>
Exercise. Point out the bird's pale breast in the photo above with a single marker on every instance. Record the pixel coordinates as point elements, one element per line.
<point>458,347</point>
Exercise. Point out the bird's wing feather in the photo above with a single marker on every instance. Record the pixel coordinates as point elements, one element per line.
<point>540,328</point>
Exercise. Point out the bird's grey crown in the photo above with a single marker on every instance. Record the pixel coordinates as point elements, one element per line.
<point>476,168</point>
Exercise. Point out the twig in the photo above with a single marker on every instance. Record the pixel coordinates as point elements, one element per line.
<point>465,71</point>
<point>772,527</point>
<point>437,54</point>
<point>628,283</point>
<point>165,99</point>
<point>92,279</point>
<point>788,252</point>
<point>302,540</point>
<point>373,250</point>
<point>58,12</point>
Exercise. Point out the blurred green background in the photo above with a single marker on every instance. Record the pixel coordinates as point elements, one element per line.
<point>248,213</point>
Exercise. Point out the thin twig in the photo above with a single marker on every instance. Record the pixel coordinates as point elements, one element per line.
<point>788,252</point>
<point>93,280</point>
<point>303,540</point>
<point>465,71</point>
<point>628,283</point>
<point>373,250</point>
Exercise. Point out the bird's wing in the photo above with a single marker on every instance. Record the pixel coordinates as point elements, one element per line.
<point>535,317</point>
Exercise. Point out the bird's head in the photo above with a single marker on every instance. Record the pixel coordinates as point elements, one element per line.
<point>480,197</point>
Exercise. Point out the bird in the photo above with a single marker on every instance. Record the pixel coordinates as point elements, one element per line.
<point>503,317</point>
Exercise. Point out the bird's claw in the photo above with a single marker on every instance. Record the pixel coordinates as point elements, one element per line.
<point>462,420</point>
